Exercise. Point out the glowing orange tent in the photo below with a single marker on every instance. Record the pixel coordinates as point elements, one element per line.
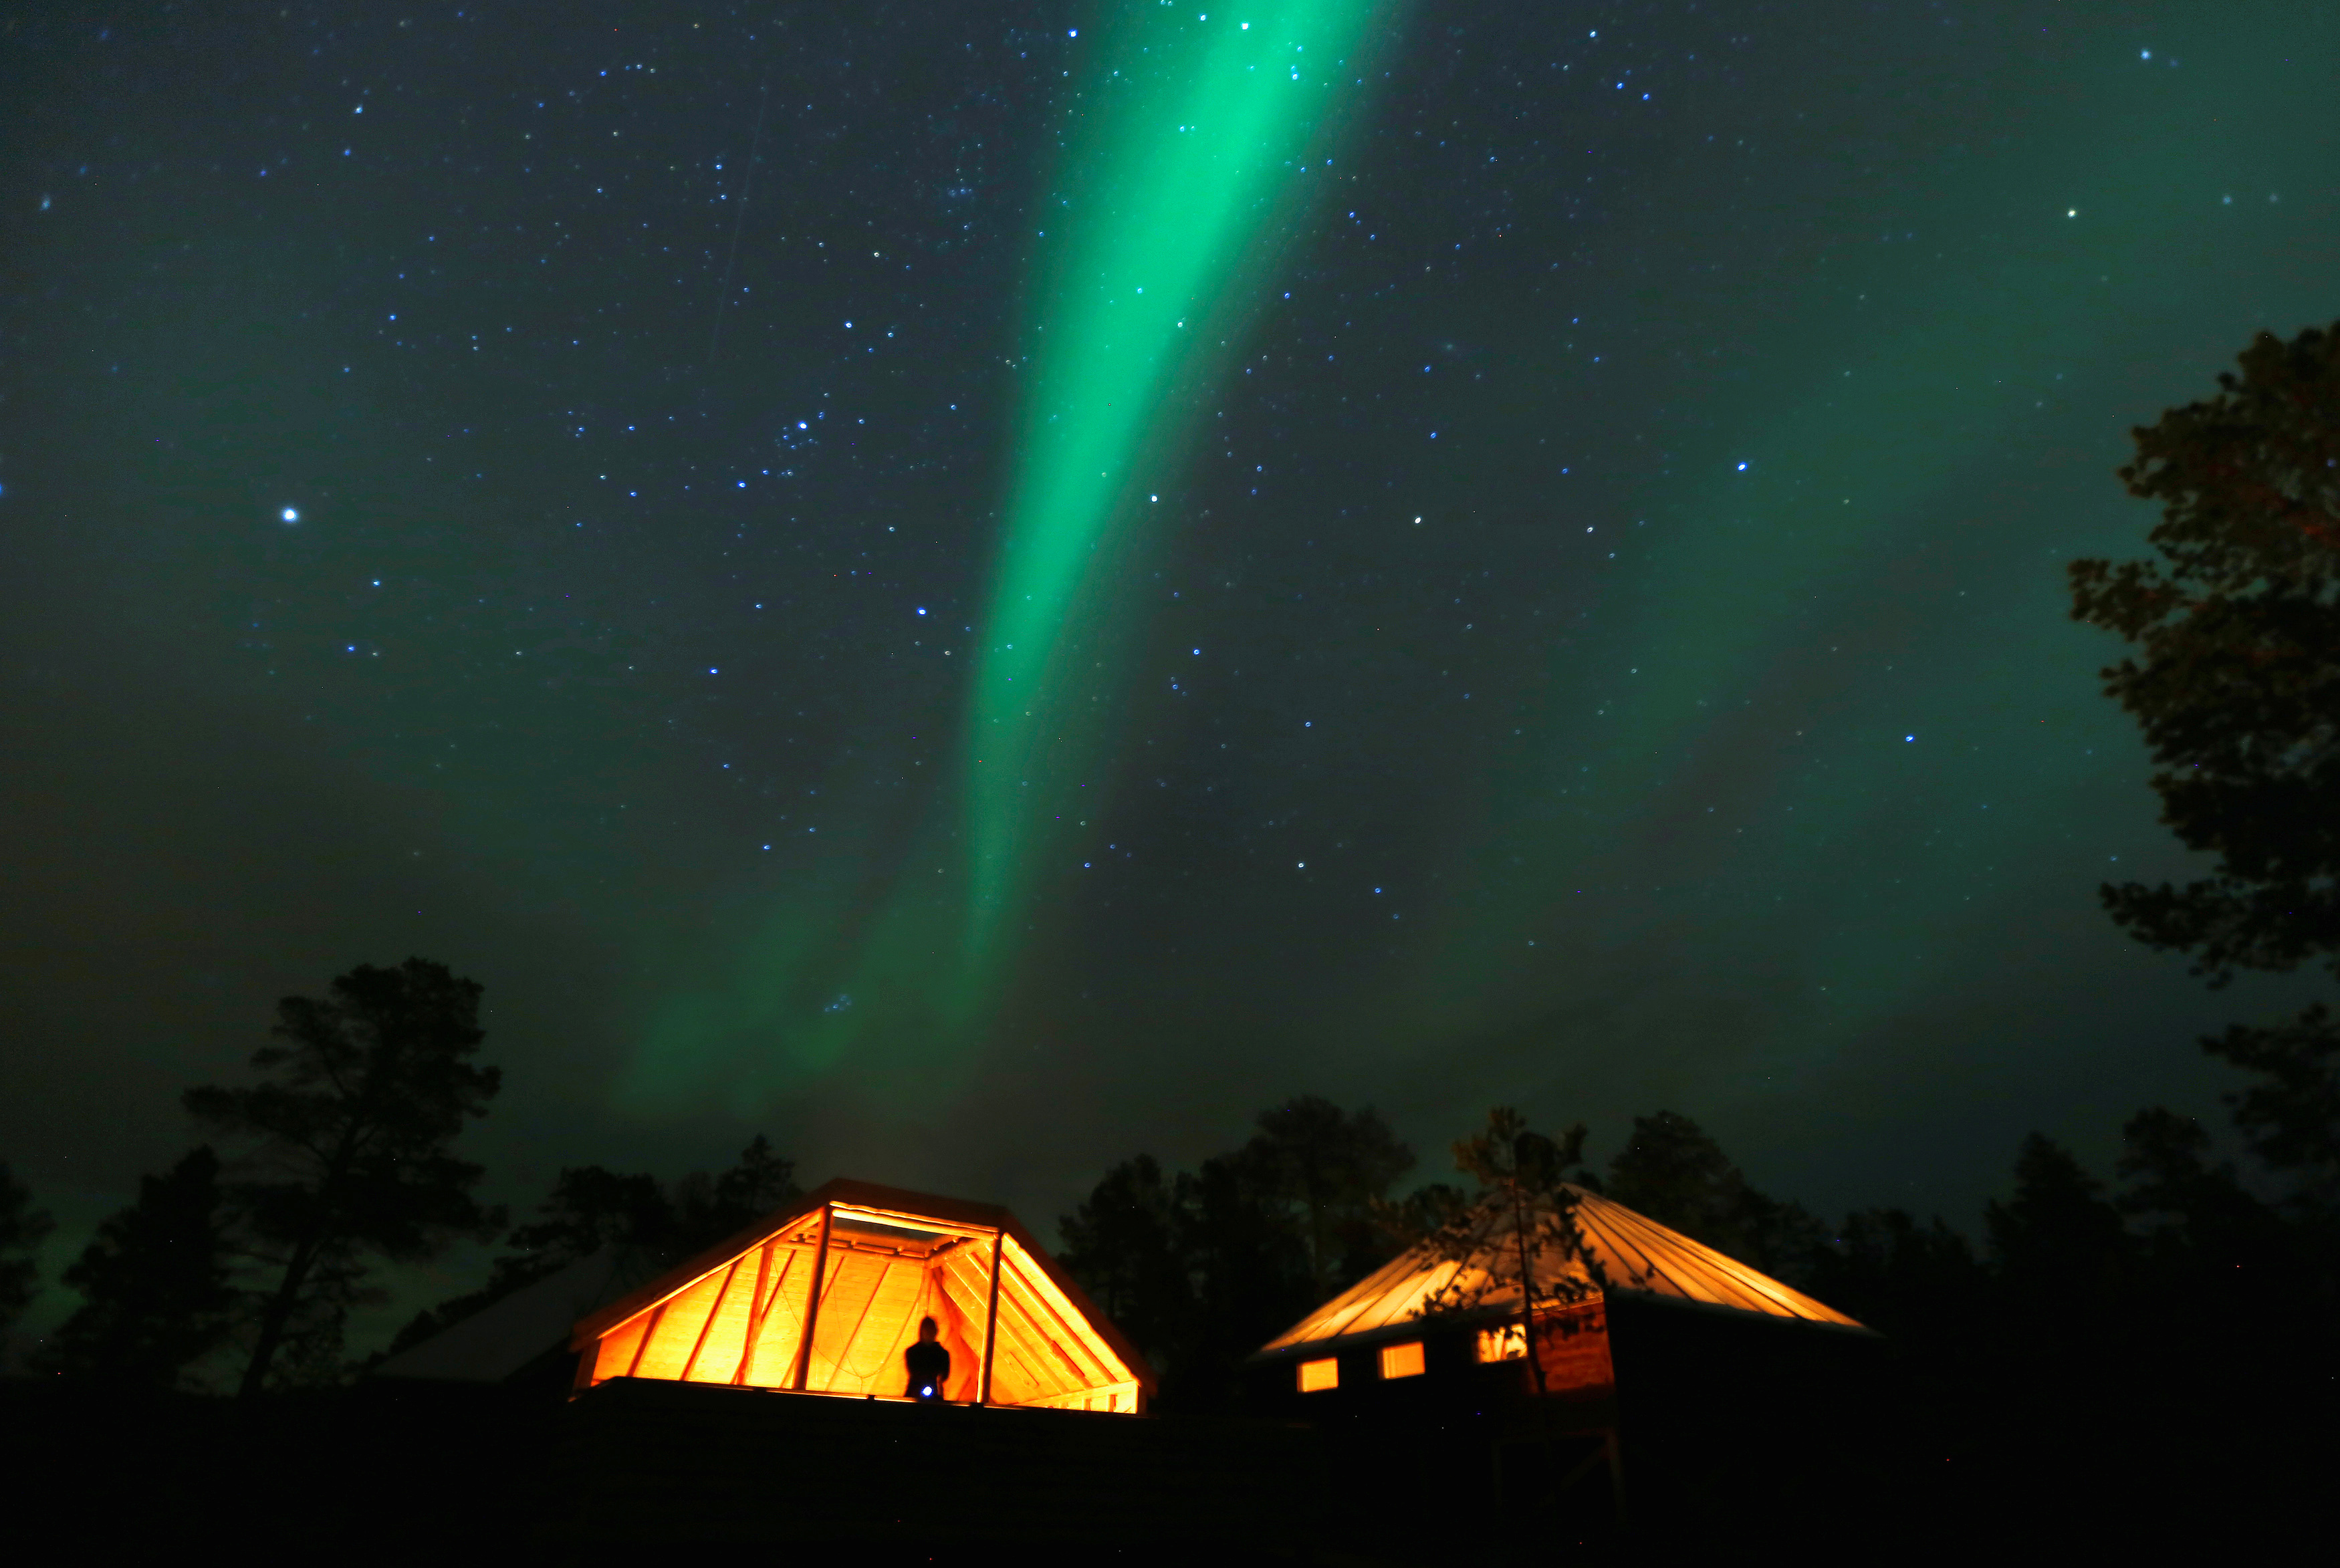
<point>825,1296</point>
<point>1387,1308</point>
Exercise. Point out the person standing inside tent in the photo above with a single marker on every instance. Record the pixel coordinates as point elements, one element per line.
<point>928,1362</point>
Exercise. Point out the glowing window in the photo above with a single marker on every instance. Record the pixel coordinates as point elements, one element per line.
<point>1402,1360</point>
<point>1318,1375</point>
<point>1508,1343</point>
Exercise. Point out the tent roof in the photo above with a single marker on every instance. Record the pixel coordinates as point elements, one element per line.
<point>506,1335</point>
<point>1637,1254</point>
<point>871,1201</point>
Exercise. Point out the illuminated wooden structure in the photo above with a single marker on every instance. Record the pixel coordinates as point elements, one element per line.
<point>826,1295</point>
<point>1719,1380</point>
<point>1386,1311</point>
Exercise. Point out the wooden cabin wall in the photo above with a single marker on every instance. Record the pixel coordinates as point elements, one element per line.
<point>1572,1349</point>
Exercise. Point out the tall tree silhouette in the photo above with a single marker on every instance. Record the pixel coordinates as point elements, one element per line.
<point>2057,1239</point>
<point>1122,1242</point>
<point>1673,1171</point>
<point>710,1208</point>
<point>1328,1169</point>
<point>23,1228</point>
<point>592,1206</point>
<point>347,1147</point>
<point>1202,1266</point>
<point>2235,684</point>
<point>155,1287</point>
<point>1526,1208</point>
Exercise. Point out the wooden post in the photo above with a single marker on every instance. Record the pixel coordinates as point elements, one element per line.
<point>658,1316</point>
<point>991,1318</point>
<point>708,1328</point>
<point>757,1307</point>
<point>812,1302</point>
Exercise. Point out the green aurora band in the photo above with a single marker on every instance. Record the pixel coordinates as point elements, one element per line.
<point>1202,128</point>
<point>1194,148</point>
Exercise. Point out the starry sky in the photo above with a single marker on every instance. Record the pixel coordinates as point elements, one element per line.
<point>1569,609</point>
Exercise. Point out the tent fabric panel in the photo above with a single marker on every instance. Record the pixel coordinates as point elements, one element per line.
<point>1011,1378</point>
<point>726,1328</point>
<point>675,1335</point>
<point>771,1359</point>
<point>963,1299</point>
<point>1100,1364</point>
<point>878,1199</point>
<point>736,1313</point>
<point>1021,1353</point>
<point>1093,1318</point>
<point>1014,1377</point>
<point>613,1354</point>
<point>890,1327</point>
<point>865,1364</point>
<point>1047,1353</point>
<point>1055,1352</point>
<point>845,1296</point>
<point>676,1279</point>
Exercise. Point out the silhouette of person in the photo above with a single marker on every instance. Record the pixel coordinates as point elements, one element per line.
<point>928,1362</point>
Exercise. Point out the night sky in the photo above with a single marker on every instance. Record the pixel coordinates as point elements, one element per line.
<point>688,515</point>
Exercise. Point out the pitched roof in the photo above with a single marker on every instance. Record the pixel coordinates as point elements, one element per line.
<point>886,1256</point>
<point>1635,1253</point>
<point>532,1323</point>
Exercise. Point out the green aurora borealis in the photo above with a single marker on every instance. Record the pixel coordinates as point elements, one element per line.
<point>1626,776</point>
<point>1191,147</point>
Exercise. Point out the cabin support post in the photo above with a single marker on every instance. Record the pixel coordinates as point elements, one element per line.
<point>812,1303</point>
<point>658,1316</point>
<point>757,1306</point>
<point>714,1308</point>
<point>991,1317</point>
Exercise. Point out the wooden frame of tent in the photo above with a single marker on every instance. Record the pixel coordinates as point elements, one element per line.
<point>826,1295</point>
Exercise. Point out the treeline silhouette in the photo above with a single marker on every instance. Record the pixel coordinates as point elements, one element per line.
<point>2106,1339</point>
<point>2185,1284</point>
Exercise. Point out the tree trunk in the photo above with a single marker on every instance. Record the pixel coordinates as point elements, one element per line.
<point>272,1321</point>
<point>297,1269</point>
<point>1527,1299</point>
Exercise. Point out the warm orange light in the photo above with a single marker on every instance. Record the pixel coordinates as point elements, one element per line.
<point>882,1270</point>
<point>1402,1360</point>
<point>1317,1375</point>
<point>1508,1343</point>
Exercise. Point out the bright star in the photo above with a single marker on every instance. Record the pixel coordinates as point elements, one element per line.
<point>291,514</point>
